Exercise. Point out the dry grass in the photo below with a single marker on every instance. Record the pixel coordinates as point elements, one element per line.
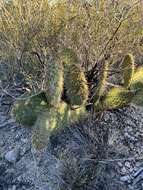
<point>30,28</point>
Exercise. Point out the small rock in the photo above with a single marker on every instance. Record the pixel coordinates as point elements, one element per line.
<point>128,164</point>
<point>12,155</point>
<point>14,187</point>
<point>1,143</point>
<point>25,149</point>
<point>123,170</point>
<point>125,178</point>
<point>24,140</point>
<point>120,164</point>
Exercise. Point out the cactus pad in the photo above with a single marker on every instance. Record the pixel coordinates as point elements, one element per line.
<point>128,67</point>
<point>136,86</point>
<point>45,123</point>
<point>50,122</point>
<point>117,97</point>
<point>75,85</point>
<point>26,110</point>
<point>54,82</point>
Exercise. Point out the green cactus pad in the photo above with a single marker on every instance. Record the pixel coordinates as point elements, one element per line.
<point>54,82</point>
<point>51,121</point>
<point>128,68</point>
<point>45,123</point>
<point>75,85</point>
<point>137,80</point>
<point>136,86</point>
<point>117,97</point>
<point>62,115</point>
<point>26,110</point>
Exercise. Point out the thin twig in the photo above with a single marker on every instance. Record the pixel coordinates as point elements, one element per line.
<point>106,161</point>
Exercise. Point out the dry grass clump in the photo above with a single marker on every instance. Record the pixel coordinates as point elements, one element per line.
<point>93,30</point>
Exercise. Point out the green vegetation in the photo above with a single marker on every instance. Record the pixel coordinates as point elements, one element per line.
<point>75,85</point>
<point>68,51</point>
<point>128,67</point>
<point>137,87</point>
<point>26,110</point>
<point>117,97</point>
<point>54,82</point>
<point>51,121</point>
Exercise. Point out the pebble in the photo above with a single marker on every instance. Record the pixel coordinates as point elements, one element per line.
<point>128,164</point>
<point>123,170</point>
<point>125,178</point>
<point>14,187</point>
<point>1,143</point>
<point>24,149</point>
<point>12,155</point>
<point>120,164</point>
<point>24,140</point>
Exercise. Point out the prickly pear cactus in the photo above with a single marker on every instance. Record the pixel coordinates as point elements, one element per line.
<point>76,85</point>
<point>26,110</point>
<point>54,82</point>
<point>136,86</point>
<point>128,68</point>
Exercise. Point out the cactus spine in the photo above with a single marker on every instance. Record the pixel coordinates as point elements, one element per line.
<point>54,82</point>
<point>26,110</point>
<point>128,67</point>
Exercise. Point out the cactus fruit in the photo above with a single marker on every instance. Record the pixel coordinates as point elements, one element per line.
<point>128,67</point>
<point>117,97</point>
<point>75,85</point>
<point>136,86</point>
<point>102,81</point>
<point>54,82</point>
<point>26,110</point>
